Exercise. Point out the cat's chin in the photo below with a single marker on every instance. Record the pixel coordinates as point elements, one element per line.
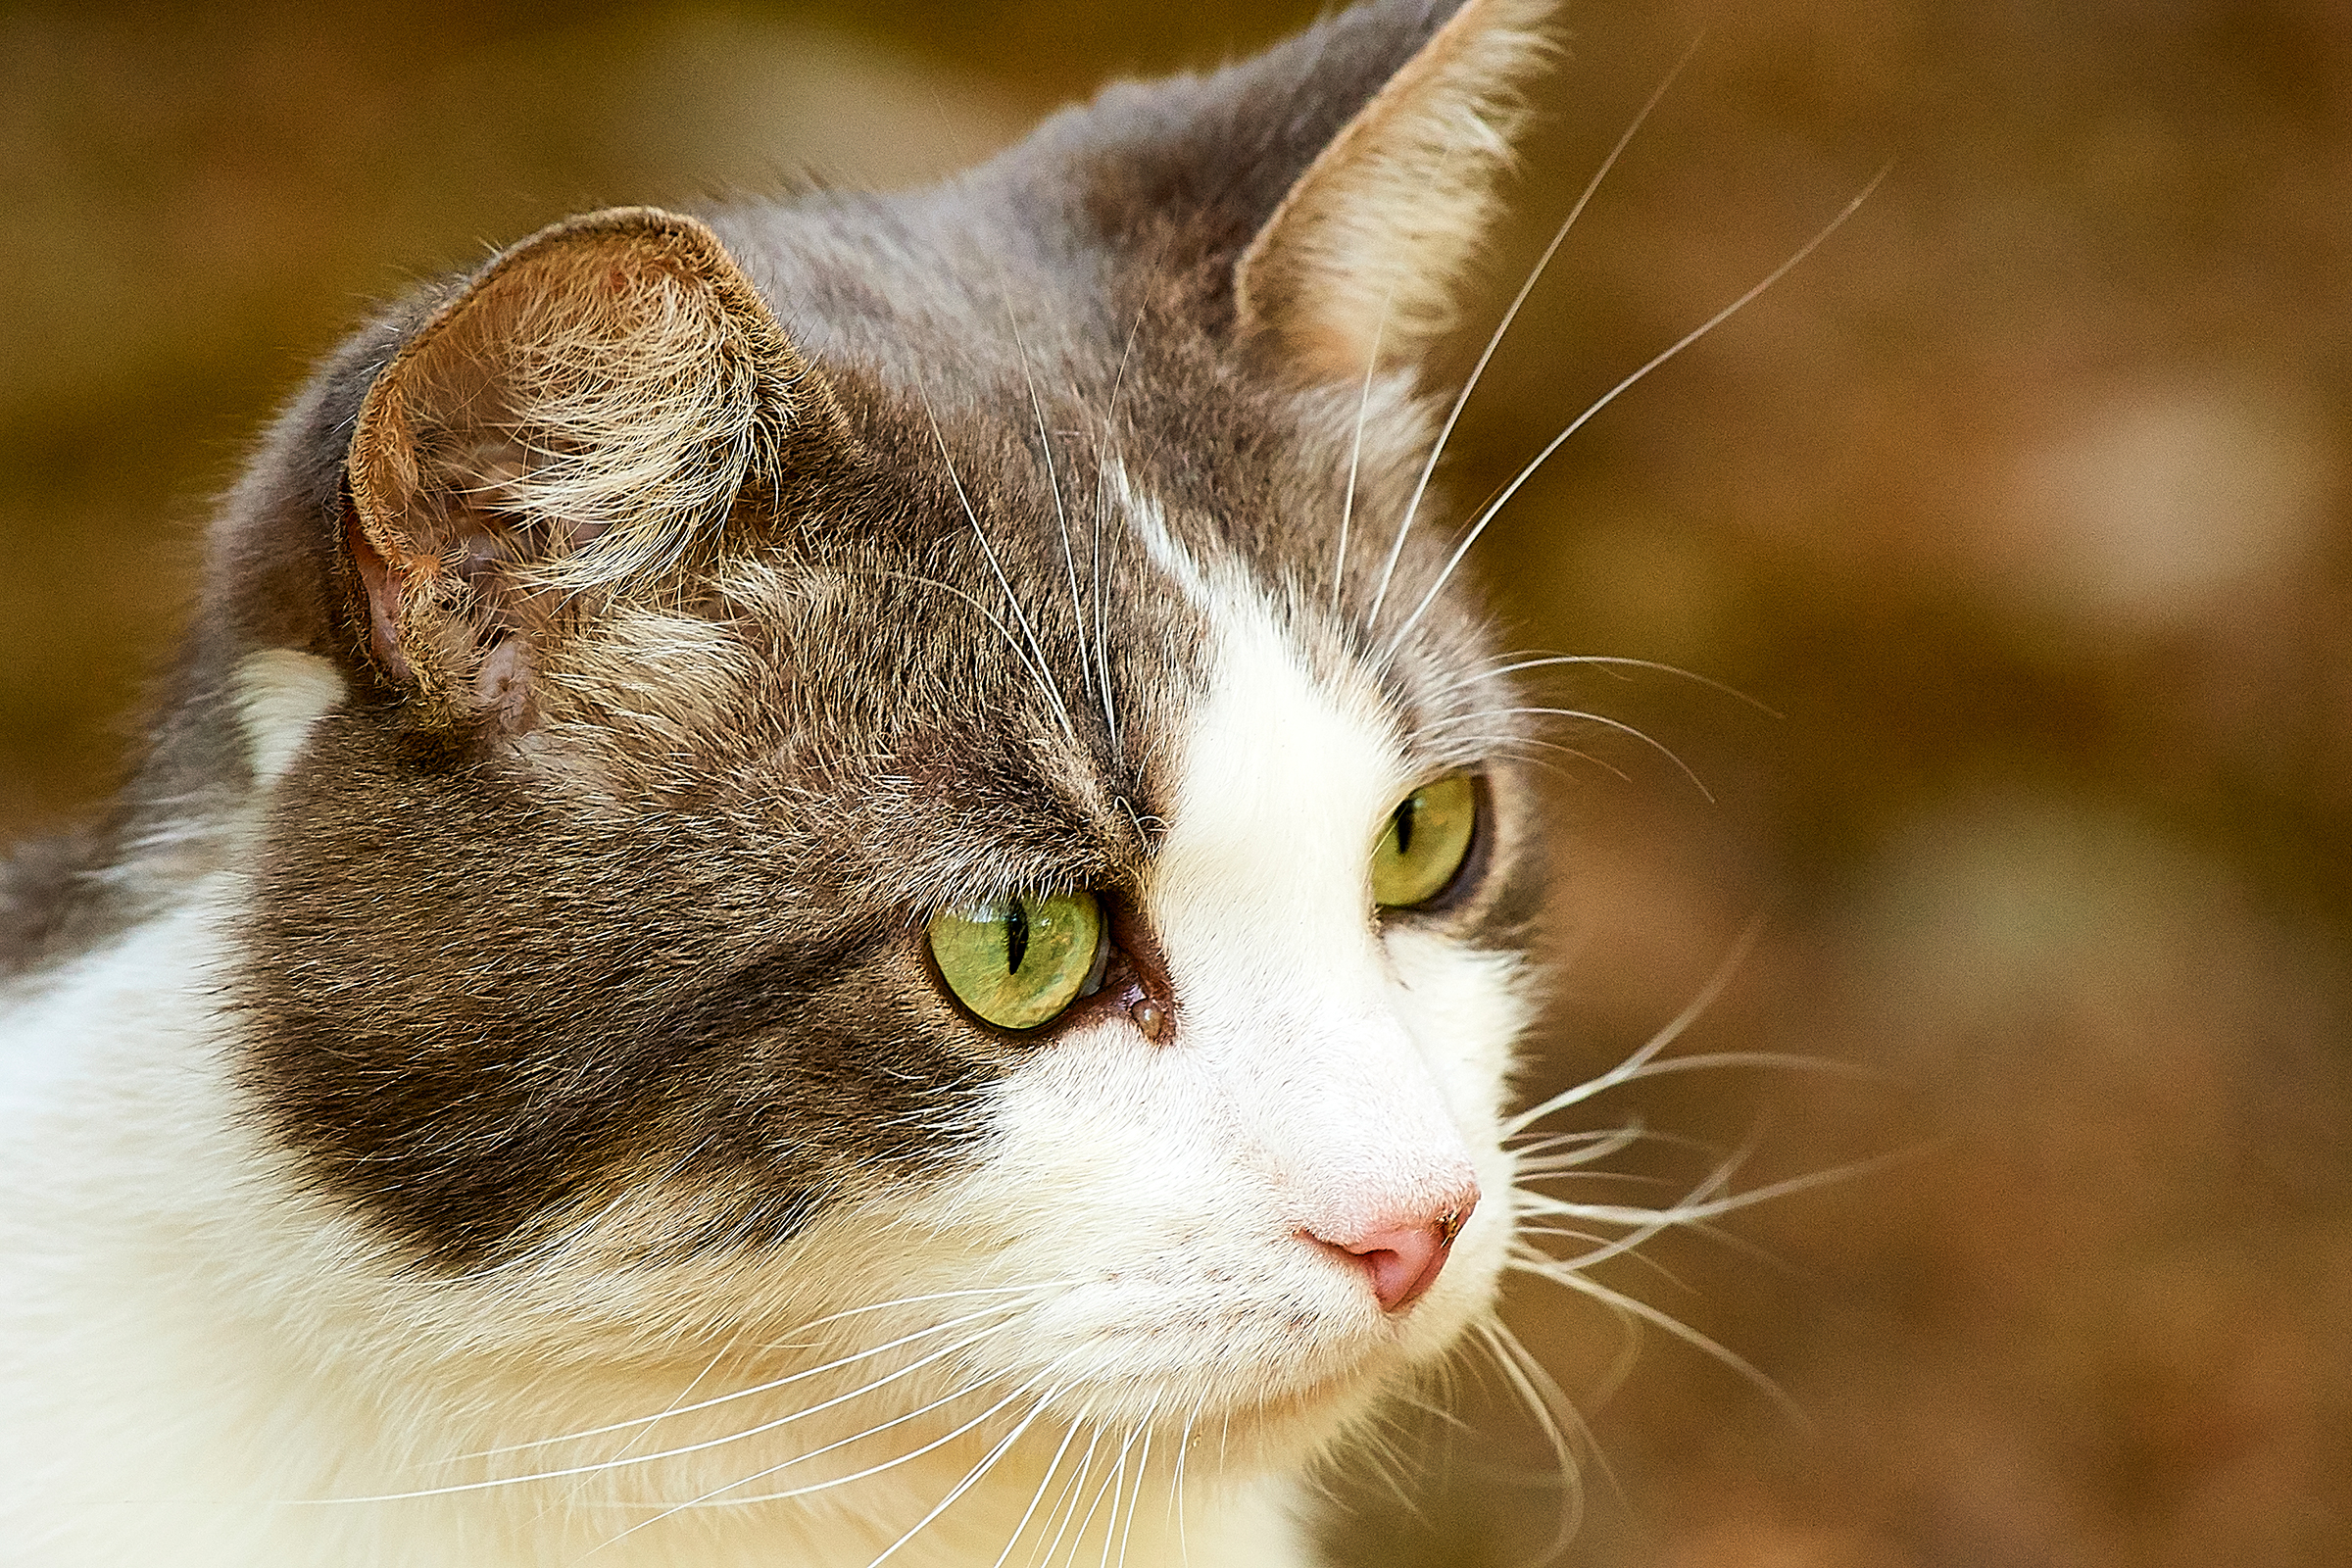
<point>1274,1383</point>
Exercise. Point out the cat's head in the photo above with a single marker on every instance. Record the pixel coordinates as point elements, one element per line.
<point>900,749</point>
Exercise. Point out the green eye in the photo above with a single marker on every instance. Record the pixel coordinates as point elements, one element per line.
<point>1019,961</point>
<point>1427,840</point>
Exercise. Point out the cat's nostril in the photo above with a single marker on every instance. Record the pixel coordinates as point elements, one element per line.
<point>1403,1261</point>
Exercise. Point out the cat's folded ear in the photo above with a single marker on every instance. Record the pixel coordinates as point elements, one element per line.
<point>582,418</point>
<point>1359,261</point>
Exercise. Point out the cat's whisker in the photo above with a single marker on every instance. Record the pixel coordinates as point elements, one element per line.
<point>1061,517</point>
<point>1355,448</point>
<point>1488,513</point>
<point>646,1426</point>
<point>835,1365</point>
<point>1065,1507</point>
<point>1673,1030</point>
<point>1779,1060</point>
<point>1037,673</point>
<point>1115,1484</point>
<point>1608,665</point>
<point>1643,1224</point>
<point>1044,1483</point>
<point>1563,1173</point>
<point>1494,339</point>
<point>1436,1409</point>
<point>1042,670</point>
<point>1183,1449</point>
<point>1112,1489</point>
<point>1548,1404</point>
<point>633,1461</point>
<point>1522,747</point>
<point>1076,1495</point>
<point>710,1499</point>
<point>987,1463</point>
<point>1586,1285</point>
<point>716,1499</point>
<point>1143,1472</point>
<point>1602,1250</point>
<point>1605,722</point>
<point>1690,1212</point>
<point>1112,436</point>
<point>1594,1144</point>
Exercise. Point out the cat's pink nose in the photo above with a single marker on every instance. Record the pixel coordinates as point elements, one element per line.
<point>1402,1261</point>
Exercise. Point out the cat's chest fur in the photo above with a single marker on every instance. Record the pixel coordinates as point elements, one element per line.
<point>832,884</point>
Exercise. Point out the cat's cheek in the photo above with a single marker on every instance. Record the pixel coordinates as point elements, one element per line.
<point>1465,1009</point>
<point>1169,1195</point>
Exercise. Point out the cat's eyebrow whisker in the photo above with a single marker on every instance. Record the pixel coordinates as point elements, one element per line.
<point>1042,669</point>
<point>1523,749</point>
<point>1111,433</point>
<point>1061,517</point>
<point>1488,513</point>
<point>1440,726</point>
<point>1461,398</point>
<point>1035,671</point>
<point>1673,1030</point>
<point>1355,450</point>
<point>1608,665</point>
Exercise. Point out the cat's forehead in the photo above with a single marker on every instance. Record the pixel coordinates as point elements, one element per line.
<point>997,691</point>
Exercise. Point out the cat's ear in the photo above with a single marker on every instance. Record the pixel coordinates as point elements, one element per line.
<point>580,419</point>
<point>1360,259</point>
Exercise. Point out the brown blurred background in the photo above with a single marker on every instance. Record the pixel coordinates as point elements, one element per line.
<point>2023,505</point>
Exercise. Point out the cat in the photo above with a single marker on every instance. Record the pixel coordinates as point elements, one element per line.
<point>844,879</point>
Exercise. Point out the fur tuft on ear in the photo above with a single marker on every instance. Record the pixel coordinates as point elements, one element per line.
<point>581,416</point>
<point>1361,257</point>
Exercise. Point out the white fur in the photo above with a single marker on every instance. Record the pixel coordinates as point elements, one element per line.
<point>279,695</point>
<point>205,1366</point>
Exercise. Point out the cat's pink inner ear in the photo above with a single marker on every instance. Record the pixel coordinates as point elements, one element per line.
<point>1361,260</point>
<point>379,584</point>
<point>578,422</point>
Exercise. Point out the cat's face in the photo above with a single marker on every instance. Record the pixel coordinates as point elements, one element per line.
<point>897,758</point>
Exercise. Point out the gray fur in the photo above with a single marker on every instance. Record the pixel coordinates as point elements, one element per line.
<point>668,922</point>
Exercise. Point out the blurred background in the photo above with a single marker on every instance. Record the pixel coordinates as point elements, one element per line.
<point>2021,508</point>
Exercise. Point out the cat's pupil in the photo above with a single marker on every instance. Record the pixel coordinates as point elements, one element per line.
<point>1016,935</point>
<point>1405,811</point>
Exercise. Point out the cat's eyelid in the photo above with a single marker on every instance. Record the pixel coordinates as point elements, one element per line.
<point>972,906</point>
